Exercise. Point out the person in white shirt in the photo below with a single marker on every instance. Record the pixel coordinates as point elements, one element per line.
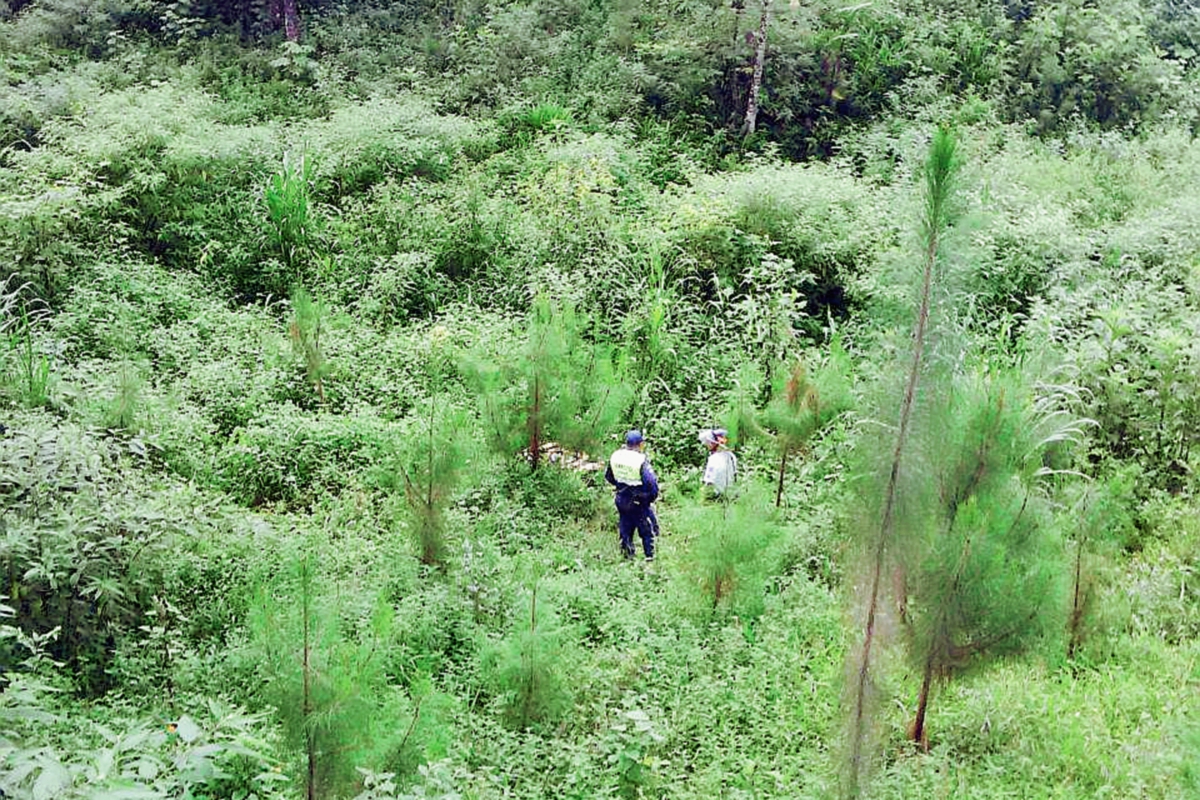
<point>721,470</point>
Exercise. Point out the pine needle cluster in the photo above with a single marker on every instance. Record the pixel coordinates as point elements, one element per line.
<point>562,388</point>
<point>801,404</point>
<point>331,691</point>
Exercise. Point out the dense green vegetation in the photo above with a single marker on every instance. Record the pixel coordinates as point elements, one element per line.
<point>303,330</point>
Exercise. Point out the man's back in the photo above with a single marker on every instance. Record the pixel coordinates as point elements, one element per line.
<point>625,467</point>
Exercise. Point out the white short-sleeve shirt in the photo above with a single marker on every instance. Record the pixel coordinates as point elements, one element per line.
<point>721,470</point>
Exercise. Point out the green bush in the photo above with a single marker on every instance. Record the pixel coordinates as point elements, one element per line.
<point>210,749</point>
<point>1098,63</point>
<point>84,552</point>
<point>84,26</point>
<point>294,459</point>
<point>804,232</point>
<point>434,634</point>
<point>1162,584</point>
<point>367,143</point>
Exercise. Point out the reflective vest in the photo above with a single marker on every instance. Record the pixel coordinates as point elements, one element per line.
<point>627,466</point>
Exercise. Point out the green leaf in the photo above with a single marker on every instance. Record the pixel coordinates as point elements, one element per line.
<point>187,729</point>
<point>51,783</point>
<point>132,791</point>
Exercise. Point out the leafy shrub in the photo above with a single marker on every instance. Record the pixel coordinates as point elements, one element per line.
<point>633,738</point>
<point>83,553</point>
<point>1140,361</point>
<point>803,231</point>
<point>434,634</point>
<point>81,25</point>
<point>294,459</point>
<point>408,286</point>
<point>29,101</point>
<point>555,491</point>
<point>472,244</point>
<point>1094,62</point>
<point>1163,585</point>
<point>220,751</point>
<point>365,144</point>
<point>38,230</point>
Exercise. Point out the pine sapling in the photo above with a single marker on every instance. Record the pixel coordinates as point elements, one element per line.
<point>985,580</point>
<point>526,669</point>
<point>564,389</point>
<point>305,332</point>
<point>939,173</point>
<point>429,468</point>
<point>728,561</point>
<point>801,406</point>
<point>338,707</point>
<point>1098,520</point>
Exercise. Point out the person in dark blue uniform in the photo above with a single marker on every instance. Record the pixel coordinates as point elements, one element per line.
<point>637,487</point>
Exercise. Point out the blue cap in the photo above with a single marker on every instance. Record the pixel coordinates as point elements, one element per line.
<point>633,437</point>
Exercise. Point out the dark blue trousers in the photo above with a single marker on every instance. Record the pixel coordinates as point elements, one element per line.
<point>635,519</point>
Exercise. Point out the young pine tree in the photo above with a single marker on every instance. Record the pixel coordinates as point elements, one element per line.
<point>728,560</point>
<point>955,506</point>
<point>527,671</point>
<point>304,329</point>
<point>889,513</point>
<point>562,389</point>
<point>1097,524</point>
<point>987,564</point>
<point>799,407</point>
<point>424,470</point>
<point>338,710</point>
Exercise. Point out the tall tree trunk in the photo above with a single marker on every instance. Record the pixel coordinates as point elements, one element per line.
<point>900,590</point>
<point>760,57</point>
<point>1076,605</point>
<point>310,742</point>
<point>285,14</point>
<point>291,21</point>
<point>535,425</point>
